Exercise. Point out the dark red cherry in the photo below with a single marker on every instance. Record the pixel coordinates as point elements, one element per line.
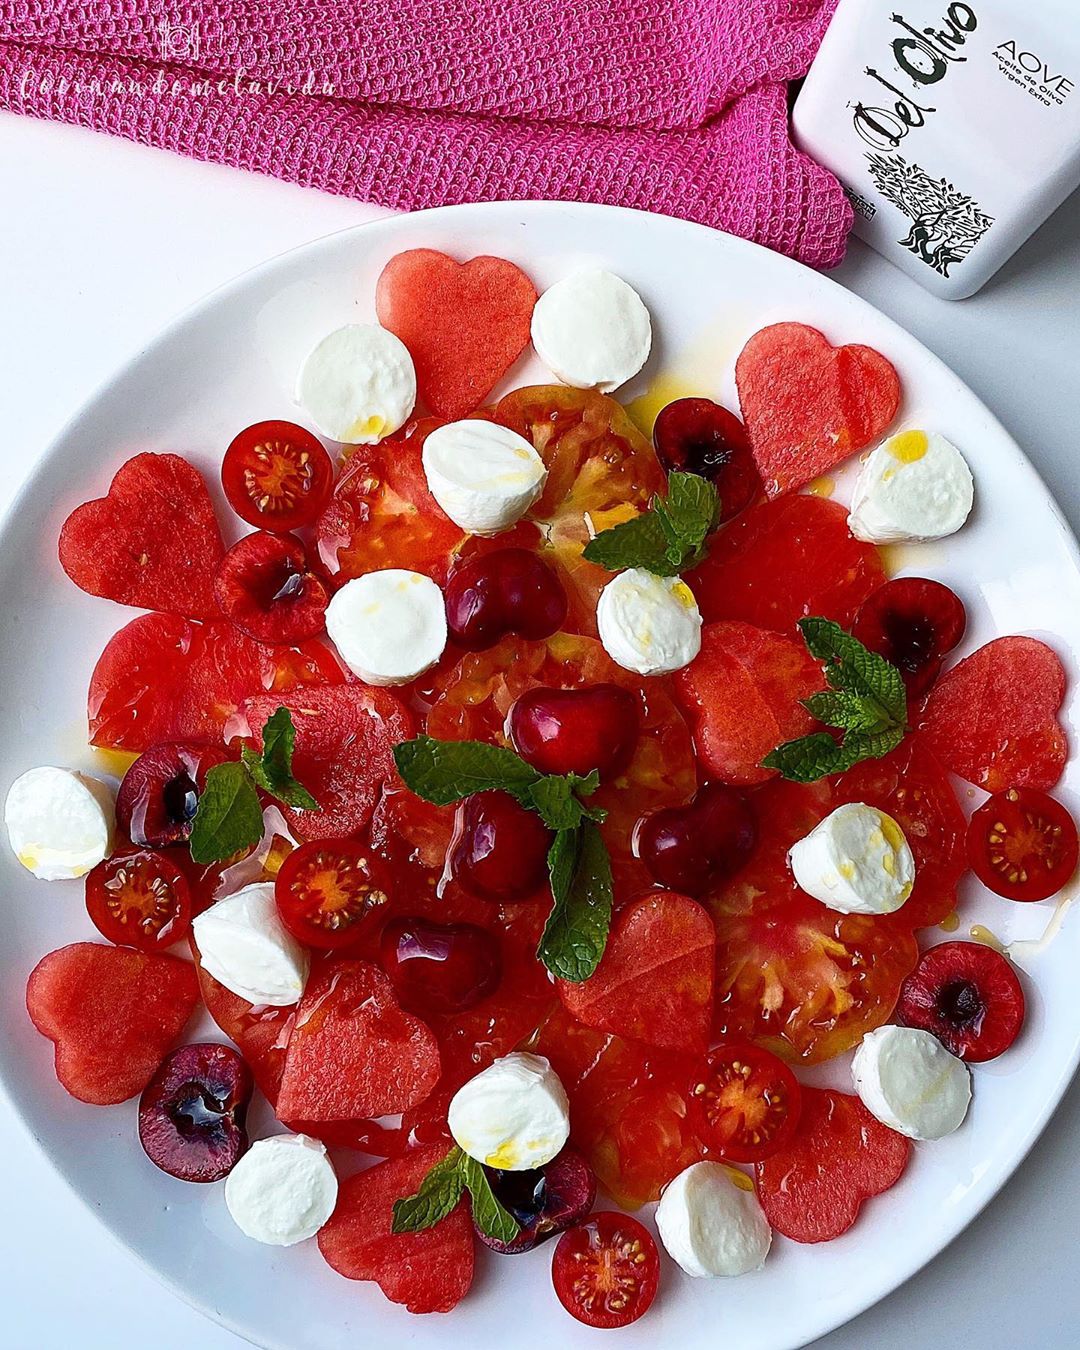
<point>440,968</point>
<point>914,623</point>
<point>192,1112</point>
<point>695,435</point>
<point>264,586</point>
<point>968,996</point>
<point>576,730</point>
<point>499,850</point>
<point>544,1200</point>
<point>506,591</point>
<point>160,792</point>
<point>690,848</point>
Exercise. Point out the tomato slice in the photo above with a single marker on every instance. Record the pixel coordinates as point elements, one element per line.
<point>325,891</point>
<point>277,476</point>
<point>746,1103</point>
<point>139,899</point>
<point>606,1270</point>
<point>1022,844</point>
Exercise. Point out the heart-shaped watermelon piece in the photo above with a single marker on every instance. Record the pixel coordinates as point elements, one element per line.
<point>112,1013</point>
<point>152,541</point>
<point>808,405</point>
<point>465,324</point>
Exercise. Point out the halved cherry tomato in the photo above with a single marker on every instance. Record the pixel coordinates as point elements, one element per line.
<point>139,899</point>
<point>1022,844</point>
<point>606,1270</point>
<point>326,889</point>
<point>277,476</point>
<point>746,1103</point>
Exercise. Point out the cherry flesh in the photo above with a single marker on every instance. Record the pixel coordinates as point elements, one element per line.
<point>440,968</point>
<point>192,1112</point>
<point>544,1200</point>
<point>695,435</point>
<point>499,850</point>
<point>159,793</point>
<point>968,996</point>
<point>509,590</point>
<point>576,730</point>
<point>265,587</point>
<point>914,623</point>
<point>690,848</point>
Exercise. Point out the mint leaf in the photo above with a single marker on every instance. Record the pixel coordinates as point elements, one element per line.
<point>555,800</point>
<point>272,770</point>
<point>445,771</point>
<point>689,514</point>
<point>854,669</point>
<point>848,712</point>
<point>641,542</point>
<point>490,1216</point>
<point>229,817</point>
<point>669,537</point>
<point>872,745</point>
<point>437,1197</point>
<point>808,759</point>
<point>576,932</point>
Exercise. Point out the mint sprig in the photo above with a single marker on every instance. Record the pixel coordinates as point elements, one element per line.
<point>668,538</point>
<point>578,864</point>
<point>228,818</point>
<point>442,1189</point>
<point>866,701</point>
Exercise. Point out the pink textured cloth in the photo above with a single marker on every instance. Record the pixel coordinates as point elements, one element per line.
<point>676,106</point>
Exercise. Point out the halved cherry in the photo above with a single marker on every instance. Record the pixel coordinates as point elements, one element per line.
<point>327,888</point>
<point>606,1270</point>
<point>696,435</point>
<point>509,590</point>
<point>544,1200</point>
<point>192,1112</point>
<point>576,730</point>
<point>689,848</point>
<point>499,851</point>
<point>159,794</point>
<point>746,1104</point>
<point>277,476</point>
<point>1022,844</point>
<point>968,996</point>
<point>264,586</point>
<point>914,623</point>
<point>139,899</point>
<point>441,968</point>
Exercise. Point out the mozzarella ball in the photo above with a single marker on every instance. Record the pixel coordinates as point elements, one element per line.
<point>282,1190</point>
<point>484,476</point>
<point>358,385</point>
<point>59,822</point>
<point>910,1082</point>
<point>244,945</point>
<point>914,487</point>
<point>649,624</point>
<point>856,861</point>
<point>592,330</point>
<point>389,626</point>
<point>710,1225</point>
<point>513,1116</point>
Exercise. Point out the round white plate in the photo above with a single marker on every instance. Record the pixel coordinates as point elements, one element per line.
<point>231,361</point>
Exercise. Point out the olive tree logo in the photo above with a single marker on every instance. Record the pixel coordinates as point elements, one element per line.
<point>945,224</point>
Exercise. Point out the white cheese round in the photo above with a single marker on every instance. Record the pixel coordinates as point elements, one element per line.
<point>59,822</point>
<point>915,486</point>
<point>592,330</point>
<point>856,861</point>
<point>649,624</point>
<point>282,1190</point>
<point>484,476</point>
<point>513,1116</point>
<point>910,1082</point>
<point>358,385</point>
<point>244,945</point>
<point>710,1225</point>
<point>389,626</point>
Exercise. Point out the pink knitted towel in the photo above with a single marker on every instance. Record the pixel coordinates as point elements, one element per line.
<point>676,106</point>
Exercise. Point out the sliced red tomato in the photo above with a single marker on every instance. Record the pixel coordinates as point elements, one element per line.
<point>141,899</point>
<point>326,891</point>
<point>993,719</point>
<point>606,1270</point>
<point>601,471</point>
<point>1022,844</point>
<point>783,560</point>
<point>277,476</point>
<point>655,982</point>
<point>429,1271</point>
<point>743,693</point>
<point>746,1103</point>
<point>382,514</point>
<point>812,1189</point>
<point>162,678</point>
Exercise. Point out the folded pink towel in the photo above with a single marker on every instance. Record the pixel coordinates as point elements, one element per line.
<point>676,106</point>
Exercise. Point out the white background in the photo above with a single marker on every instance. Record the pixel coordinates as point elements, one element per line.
<point>101,243</point>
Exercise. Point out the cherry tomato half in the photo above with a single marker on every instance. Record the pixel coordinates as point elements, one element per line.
<point>747,1103</point>
<point>277,476</point>
<point>1022,844</point>
<point>606,1270</point>
<point>325,889</point>
<point>139,899</point>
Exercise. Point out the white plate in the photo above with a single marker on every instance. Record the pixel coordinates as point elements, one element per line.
<point>232,361</point>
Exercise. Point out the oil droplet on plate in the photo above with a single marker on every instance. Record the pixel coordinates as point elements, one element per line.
<point>981,934</point>
<point>950,923</point>
<point>665,389</point>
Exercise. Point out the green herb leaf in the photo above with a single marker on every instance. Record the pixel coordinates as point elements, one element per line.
<point>689,514</point>
<point>446,771</point>
<point>847,712</point>
<point>576,932</point>
<point>641,542</point>
<point>808,759</point>
<point>437,1197</point>
<point>490,1216</point>
<point>854,669</point>
<point>272,770</point>
<point>556,801</point>
<point>669,537</point>
<point>229,817</point>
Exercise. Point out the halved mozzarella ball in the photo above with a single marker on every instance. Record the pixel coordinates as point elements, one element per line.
<point>358,385</point>
<point>484,476</point>
<point>592,330</point>
<point>649,624</point>
<point>513,1116</point>
<point>711,1225</point>
<point>856,861</point>
<point>914,487</point>
<point>282,1190</point>
<point>244,945</point>
<point>60,822</point>
<point>910,1082</point>
<point>389,626</point>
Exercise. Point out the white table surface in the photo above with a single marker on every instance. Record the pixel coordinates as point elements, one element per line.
<point>101,243</point>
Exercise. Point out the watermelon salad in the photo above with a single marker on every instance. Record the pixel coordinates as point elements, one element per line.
<point>529,800</point>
